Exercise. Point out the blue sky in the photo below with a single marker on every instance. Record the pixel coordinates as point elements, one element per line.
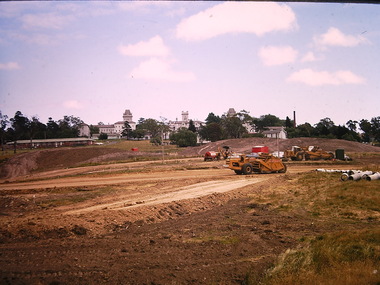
<point>93,60</point>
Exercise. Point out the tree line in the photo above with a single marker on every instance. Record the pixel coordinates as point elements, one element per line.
<point>240,125</point>
<point>224,127</point>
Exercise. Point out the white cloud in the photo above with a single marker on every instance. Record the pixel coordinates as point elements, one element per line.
<point>319,78</point>
<point>72,104</point>
<point>334,37</point>
<point>9,66</point>
<point>309,57</point>
<point>159,69</point>
<point>279,55</point>
<point>153,47</point>
<point>45,20</point>
<point>237,17</point>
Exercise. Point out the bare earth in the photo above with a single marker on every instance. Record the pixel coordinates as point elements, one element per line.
<point>183,221</point>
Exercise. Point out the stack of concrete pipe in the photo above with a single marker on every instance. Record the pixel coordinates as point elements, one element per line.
<point>354,174</point>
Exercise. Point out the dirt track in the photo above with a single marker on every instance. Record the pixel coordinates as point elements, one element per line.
<point>181,222</point>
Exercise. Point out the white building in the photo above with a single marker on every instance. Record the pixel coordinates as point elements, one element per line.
<point>115,130</point>
<point>275,132</point>
<point>184,123</point>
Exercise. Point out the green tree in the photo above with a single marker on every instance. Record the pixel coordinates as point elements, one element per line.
<point>211,132</point>
<point>375,127</point>
<point>93,130</point>
<point>324,128</point>
<point>288,123</point>
<point>183,138</point>
<point>233,127</point>
<point>52,129</point>
<point>366,127</point>
<point>20,125</point>
<point>212,118</point>
<point>267,121</point>
<point>150,127</point>
<point>192,127</point>
<point>126,130</point>
<point>69,127</point>
<point>352,125</point>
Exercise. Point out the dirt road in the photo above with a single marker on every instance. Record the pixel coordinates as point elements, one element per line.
<point>163,225</point>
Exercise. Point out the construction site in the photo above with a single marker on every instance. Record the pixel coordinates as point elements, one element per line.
<point>106,215</point>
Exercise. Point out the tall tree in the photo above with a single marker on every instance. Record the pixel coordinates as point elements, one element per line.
<point>267,121</point>
<point>211,132</point>
<point>20,125</point>
<point>126,130</point>
<point>69,126</point>
<point>192,126</point>
<point>366,127</point>
<point>212,118</point>
<point>233,127</point>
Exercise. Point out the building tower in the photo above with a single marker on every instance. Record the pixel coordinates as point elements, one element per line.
<point>185,116</point>
<point>127,116</point>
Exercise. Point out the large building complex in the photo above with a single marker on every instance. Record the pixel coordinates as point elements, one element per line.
<point>114,131</point>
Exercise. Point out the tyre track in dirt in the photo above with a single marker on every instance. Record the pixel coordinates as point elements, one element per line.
<point>182,193</point>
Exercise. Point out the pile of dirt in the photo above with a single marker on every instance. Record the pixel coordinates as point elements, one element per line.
<point>245,145</point>
<point>51,159</point>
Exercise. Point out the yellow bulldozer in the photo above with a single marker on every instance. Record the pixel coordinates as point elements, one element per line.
<point>248,164</point>
<point>307,153</point>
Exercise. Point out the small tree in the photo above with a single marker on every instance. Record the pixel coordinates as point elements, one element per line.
<point>183,138</point>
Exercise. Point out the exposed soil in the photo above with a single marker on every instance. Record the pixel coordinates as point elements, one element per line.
<point>183,221</point>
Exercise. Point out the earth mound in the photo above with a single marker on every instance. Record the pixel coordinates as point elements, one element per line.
<point>50,159</point>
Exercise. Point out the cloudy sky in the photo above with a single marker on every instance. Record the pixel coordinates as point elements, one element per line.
<point>93,60</point>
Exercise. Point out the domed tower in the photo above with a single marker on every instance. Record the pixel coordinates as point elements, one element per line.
<point>127,116</point>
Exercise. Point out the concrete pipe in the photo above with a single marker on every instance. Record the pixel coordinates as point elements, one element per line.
<point>356,176</point>
<point>344,177</point>
<point>374,176</point>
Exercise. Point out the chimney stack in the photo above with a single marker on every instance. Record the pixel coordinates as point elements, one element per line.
<point>294,119</point>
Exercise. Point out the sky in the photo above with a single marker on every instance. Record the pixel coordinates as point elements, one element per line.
<point>94,60</point>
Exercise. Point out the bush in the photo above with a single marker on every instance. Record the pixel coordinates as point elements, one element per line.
<point>103,136</point>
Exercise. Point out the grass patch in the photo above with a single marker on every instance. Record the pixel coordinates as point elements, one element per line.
<point>336,258</point>
<point>71,195</point>
<point>143,145</point>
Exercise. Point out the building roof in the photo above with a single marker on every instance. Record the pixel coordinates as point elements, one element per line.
<point>51,140</point>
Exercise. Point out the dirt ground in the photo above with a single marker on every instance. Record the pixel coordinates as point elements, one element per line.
<point>182,221</point>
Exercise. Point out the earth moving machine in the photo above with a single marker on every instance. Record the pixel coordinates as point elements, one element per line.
<point>223,152</point>
<point>307,153</point>
<point>263,163</point>
<point>212,155</point>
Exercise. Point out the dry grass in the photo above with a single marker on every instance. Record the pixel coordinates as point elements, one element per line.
<point>338,256</point>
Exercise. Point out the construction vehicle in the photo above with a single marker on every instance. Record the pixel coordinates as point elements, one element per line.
<point>212,155</point>
<point>307,153</point>
<point>253,163</point>
<point>223,152</point>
